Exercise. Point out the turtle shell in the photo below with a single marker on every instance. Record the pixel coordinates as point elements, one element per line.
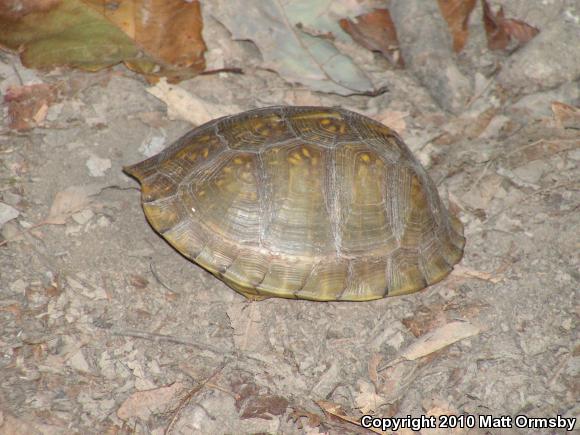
<point>301,202</point>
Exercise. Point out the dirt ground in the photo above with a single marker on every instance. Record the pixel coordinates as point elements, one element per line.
<point>104,328</point>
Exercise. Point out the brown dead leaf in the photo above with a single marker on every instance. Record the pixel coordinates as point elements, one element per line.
<point>255,402</point>
<point>367,399</point>
<point>313,420</point>
<point>28,105</point>
<point>439,339</point>
<point>437,407</point>
<point>456,13</point>
<point>70,201</point>
<point>168,30</point>
<point>144,403</point>
<point>154,37</point>
<point>497,37</point>
<point>566,116</point>
<point>373,367</point>
<point>376,32</point>
<point>519,30</point>
<point>183,105</point>
<point>424,320</point>
<point>500,30</point>
<point>264,407</point>
<point>336,410</point>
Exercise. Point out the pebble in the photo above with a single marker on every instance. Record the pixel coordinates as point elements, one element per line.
<point>98,166</point>
<point>82,217</point>
<point>7,213</point>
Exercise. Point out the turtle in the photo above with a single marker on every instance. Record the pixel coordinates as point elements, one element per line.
<point>315,203</point>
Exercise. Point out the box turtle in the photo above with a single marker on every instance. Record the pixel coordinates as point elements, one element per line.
<point>301,202</point>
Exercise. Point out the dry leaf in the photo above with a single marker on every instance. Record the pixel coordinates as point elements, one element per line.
<point>465,272</point>
<point>182,105</point>
<point>69,201</point>
<point>456,13</point>
<point>393,119</point>
<point>249,332</point>
<point>154,37</point>
<point>500,30</point>
<point>313,420</point>
<point>144,403</point>
<point>440,338</point>
<point>519,30</point>
<point>373,367</point>
<point>367,399</point>
<point>497,37</point>
<point>376,31</point>
<point>298,56</point>
<point>263,406</point>
<point>336,410</point>
<point>480,195</point>
<point>28,105</point>
<point>436,408</point>
<point>169,31</point>
<point>566,116</point>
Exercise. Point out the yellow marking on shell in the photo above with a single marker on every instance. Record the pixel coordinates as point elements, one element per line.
<point>306,152</point>
<point>205,152</point>
<point>293,161</point>
<point>325,122</point>
<point>219,183</point>
<point>297,156</point>
<point>238,161</point>
<point>227,169</point>
<point>314,161</point>
<point>332,128</point>
<point>246,176</point>
<point>365,157</point>
<point>201,193</point>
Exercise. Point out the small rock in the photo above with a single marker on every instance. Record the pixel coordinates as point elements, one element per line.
<point>532,172</point>
<point>7,213</point>
<point>18,286</point>
<point>78,362</point>
<point>83,216</point>
<point>98,166</point>
<point>153,146</point>
<point>103,222</point>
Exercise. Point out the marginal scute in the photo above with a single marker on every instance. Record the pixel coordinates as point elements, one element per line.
<point>301,202</point>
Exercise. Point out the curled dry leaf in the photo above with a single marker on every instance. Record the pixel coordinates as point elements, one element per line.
<point>376,31</point>
<point>337,411</point>
<point>182,105</point>
<point>367,399</point>
<point>566,116</point>
<point>500,30</point>
<point>456,13</point>
<point>440,338</point>
<point>28,105</point>
<point>144,403</point>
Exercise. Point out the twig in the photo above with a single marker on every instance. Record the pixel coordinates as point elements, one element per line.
<point>188,397</point>
<point>168,338</point>
<point>159,280</point>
